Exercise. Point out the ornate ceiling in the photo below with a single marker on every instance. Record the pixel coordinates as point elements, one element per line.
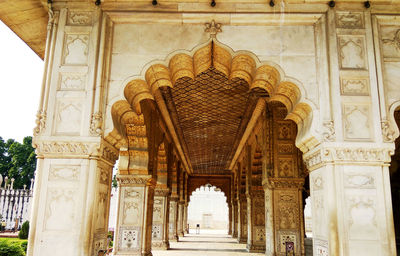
<point>210,114</point>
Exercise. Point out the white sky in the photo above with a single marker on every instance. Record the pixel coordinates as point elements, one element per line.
<point>21,73</point>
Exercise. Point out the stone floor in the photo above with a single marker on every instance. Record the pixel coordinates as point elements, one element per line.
<point>210,243</point>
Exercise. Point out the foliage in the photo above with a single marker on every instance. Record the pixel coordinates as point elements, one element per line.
<point>17,161</point>
<point>24,232</point>
<point>24,246</point>
<point>114,182</point>
<point>11,248</point>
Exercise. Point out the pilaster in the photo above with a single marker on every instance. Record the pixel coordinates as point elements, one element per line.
<point>173,219</point>
<point>284,215</point>
<point>351,200</point>
<point>133,234</point>
<point>230,218</point>
<point>181,210</point>
<point>242,219</point>
<point>234,218</point>
<point>74,167</point>
<point>160,231</point>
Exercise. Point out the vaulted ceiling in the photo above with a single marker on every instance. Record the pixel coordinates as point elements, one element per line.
<point>210,114</point>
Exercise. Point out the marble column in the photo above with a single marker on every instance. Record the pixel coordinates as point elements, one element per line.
<point>134,215</point>
<point>242,219</point>
<point>185,219</point>
<point>351,200</point>
<point>256,222</point>
<point>230,219</point>
<point>284,215</point>
<point>70,205</point>
<point>181,213</point>
<point>160,237</point>
<point>173,219</point>
<point>234,218</point>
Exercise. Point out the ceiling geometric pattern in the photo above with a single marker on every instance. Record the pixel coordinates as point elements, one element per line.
<point>210,113</point>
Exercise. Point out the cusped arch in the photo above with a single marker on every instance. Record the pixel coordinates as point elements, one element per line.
<point>239,65</point>
<point>190,193</point>
<point>260,76</point>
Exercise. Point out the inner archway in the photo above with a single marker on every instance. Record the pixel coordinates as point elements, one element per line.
<point>218,109</point>
<point>208,211</point>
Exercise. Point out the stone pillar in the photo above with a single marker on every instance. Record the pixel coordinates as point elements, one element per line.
<point>70,205</point>
<point>234,218</point>
<point>160,237</point>
<point>242,219</point>
<point>70,195</point>
<point>351,201</point>
<point>230,219</point>
<point>173,219</point>
<point>256,222</point>
<point>134,215</point>
<point>181,213</point>
<point>185,219</point>
<point>284,215</point>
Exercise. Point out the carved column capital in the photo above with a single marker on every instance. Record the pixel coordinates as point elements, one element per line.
<point>161,191</point>
<point>136,180</point>
<point>278,183</point>
<point>348,153</point>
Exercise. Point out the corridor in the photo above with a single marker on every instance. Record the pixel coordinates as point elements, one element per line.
<point>209,244</point>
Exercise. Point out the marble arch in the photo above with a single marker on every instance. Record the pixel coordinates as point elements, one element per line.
<point>346,57</point>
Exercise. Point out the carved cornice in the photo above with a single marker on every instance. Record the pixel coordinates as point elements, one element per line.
<point>161,192</point>
<point>109,152</point>
<point>278,183</point>
<point>356,155</point>
<point>65,148</point>
<point>132,180</point>
<point>174,198</point>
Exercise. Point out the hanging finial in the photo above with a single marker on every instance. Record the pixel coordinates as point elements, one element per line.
<point>213,28</point>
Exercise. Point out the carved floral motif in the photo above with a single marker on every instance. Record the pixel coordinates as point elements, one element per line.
<point>395,41</point>
<point>213,28</point>
<point>66,173</point>
<point>96,123</point>
<point>41,117</point>
<point>350,20</point>
<point>75,148</point>
<point>329,131</point>
<point>352,86</point>
<point>348,155</point>
<point>79,18</point>
<point>387,132</point>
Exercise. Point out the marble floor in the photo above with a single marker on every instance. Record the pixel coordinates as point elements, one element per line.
<point>206,243</point>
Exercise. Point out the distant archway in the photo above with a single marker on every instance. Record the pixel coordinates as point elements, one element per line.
<point>208,208</point>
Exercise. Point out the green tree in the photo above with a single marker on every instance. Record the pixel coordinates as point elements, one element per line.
<point>5,158</point>
<point>23,162</point>
<point>24,232</point>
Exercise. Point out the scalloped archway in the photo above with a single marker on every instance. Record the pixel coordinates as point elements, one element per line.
<point>209,87</point>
